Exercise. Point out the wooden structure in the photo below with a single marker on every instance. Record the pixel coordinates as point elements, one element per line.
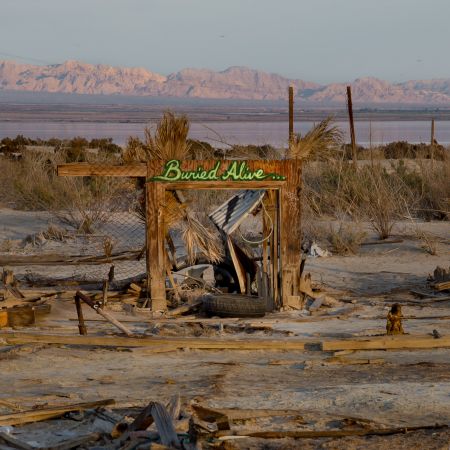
<point>281,178</point>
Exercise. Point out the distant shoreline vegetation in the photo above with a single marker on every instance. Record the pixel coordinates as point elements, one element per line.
<point>78,148</point>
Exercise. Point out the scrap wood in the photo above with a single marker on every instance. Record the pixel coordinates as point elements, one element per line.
<point>36,415</point>
<point>184,308</point>
<point>301,434</point>
<point>442,286</point>
<point>100,311</point>
<point>187,342</point>
<point>206,413</point>
<point>157,413</point>
<point>386,342</point>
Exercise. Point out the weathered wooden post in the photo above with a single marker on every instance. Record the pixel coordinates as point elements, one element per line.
<point>352,125</point>
<point>291,114</point>
<point>432,140</point>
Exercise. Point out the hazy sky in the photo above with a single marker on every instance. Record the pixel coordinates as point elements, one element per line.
<point>316,40</point>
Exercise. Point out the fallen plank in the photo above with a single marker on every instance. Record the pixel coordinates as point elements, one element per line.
<point>386,342</point>
<point>37,415</point>
<point>115,341</point>
<point>302,434</point>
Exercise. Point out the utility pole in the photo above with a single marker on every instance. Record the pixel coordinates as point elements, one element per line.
<point>352,125</point>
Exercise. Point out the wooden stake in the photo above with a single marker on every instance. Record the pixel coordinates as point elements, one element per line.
<point>352,125</point>
<point>81,325</point>
<point>105,292</point>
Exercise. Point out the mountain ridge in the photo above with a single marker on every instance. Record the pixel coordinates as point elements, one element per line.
<point>235,82</point>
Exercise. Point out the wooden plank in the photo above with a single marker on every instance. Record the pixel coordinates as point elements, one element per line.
<point>156,264</point>
<point>116,341</point>
<point>386,342</point>
<point>102,170</point>
<point>240,271</point>
<point>36,415</point>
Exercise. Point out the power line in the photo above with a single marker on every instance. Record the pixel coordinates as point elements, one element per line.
<point>25,58</point>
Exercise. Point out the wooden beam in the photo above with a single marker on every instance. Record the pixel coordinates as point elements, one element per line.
<point>386,342</point>
<point>194,343</point>
<point>101,170</point>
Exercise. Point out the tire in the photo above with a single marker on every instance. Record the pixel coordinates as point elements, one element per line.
<point>234,305</point>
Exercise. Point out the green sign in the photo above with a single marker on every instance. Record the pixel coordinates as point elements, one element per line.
<point>236,171</point>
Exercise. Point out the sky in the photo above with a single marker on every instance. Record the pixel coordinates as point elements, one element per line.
<point>316,40</point>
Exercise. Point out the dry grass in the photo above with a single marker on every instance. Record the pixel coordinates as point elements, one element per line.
<point>81,203</point>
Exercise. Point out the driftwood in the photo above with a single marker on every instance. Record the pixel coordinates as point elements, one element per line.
<point>100,311</point>
<point>36,415</point>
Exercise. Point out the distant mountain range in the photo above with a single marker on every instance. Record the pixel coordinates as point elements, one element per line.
<point>232,83</point>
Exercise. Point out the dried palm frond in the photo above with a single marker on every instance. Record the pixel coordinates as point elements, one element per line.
<point>170,139</point>
<point>317,142</point>
<point>170,142</point>
<point>197,237</point>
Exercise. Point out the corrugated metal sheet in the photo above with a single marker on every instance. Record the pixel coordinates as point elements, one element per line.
<point>229,215</point>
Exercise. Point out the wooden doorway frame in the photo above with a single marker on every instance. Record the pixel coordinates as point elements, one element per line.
<point>284,176</point>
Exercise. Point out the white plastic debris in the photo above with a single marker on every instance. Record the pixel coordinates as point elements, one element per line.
<point>315,251</point>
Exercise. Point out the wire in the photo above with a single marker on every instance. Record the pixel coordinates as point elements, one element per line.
<point>261,241</point>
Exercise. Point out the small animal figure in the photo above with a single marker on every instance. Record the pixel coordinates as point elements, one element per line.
<point>394,320</point>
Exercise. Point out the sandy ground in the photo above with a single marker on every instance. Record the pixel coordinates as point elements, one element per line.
<point>397,388</point>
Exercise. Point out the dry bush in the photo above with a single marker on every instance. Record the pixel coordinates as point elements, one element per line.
<point>346,238</point>
<point>434,190</point>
